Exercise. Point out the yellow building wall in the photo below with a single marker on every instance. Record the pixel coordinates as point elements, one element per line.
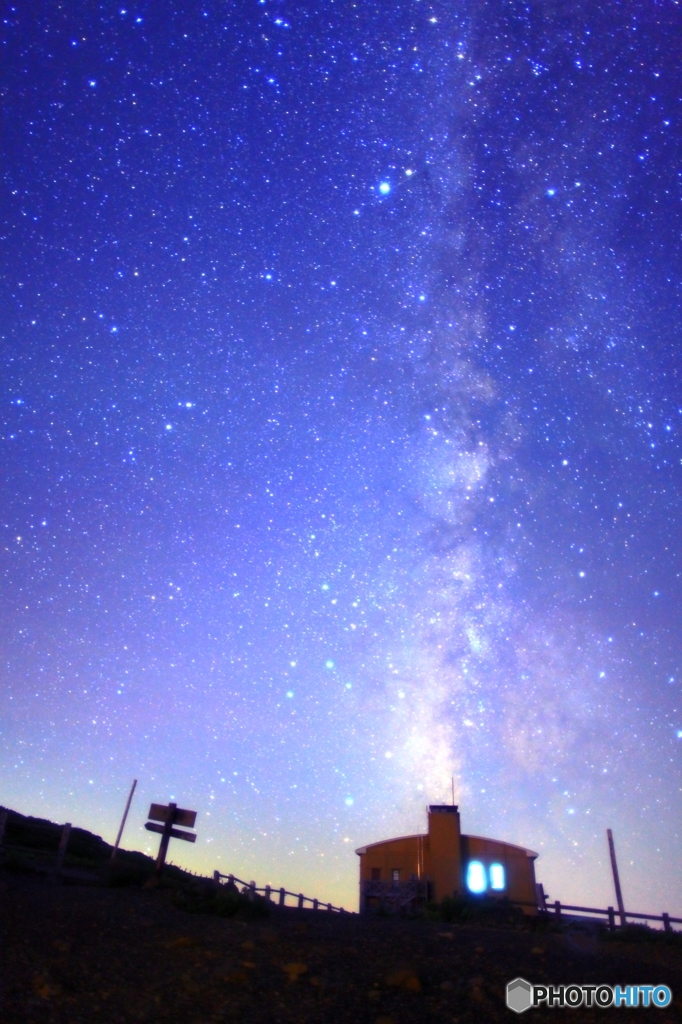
<point>404,854</point>
<point>445,852</point>
<point>519,867</point>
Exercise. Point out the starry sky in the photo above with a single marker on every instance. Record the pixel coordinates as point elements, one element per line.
<point>341,429</point>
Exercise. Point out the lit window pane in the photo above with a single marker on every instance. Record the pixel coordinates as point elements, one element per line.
<point>476,877</point>
<point>496,876</point>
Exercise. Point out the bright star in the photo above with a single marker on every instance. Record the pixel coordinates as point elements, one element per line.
<point>384,188</point>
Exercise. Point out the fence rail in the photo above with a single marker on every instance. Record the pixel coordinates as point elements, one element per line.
<point>556,907</point>
<point>268,892</point>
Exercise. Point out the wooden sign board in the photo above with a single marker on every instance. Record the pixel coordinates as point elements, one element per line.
<point>159,812</point>
<point>175,833</point>
<point>170,814</point>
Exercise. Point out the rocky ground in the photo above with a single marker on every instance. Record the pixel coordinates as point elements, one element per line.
<point>81,954</point>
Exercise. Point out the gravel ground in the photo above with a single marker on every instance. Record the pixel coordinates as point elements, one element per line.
<point>77,955</point>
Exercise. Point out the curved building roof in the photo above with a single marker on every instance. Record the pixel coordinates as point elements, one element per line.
<point>395,839</point>
<point>424,835</point>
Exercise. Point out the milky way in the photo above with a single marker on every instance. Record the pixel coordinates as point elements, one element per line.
<point>341,422</point>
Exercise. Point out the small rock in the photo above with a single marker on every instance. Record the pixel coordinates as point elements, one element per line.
<point>236,978</point>
<point>404,979</point>
<point>294,970</point>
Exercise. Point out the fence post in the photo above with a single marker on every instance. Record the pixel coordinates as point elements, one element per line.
<point>541,896</point>
<point>329,906</point>
<point>268,892</point>
<point>4,815</point>
<point>61,852</point>
<point>316,904</point>
<point>557,909</point>
<point>282,896</point>
<point>216,879</point>
<point>612,919</point>
<point>301,897</point>
<point>666,922</point>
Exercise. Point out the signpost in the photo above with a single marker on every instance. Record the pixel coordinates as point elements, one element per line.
<point>170,815</point>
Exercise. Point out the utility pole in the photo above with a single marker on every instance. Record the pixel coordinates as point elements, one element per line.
<point>123,820</point>
<point>616,879</point>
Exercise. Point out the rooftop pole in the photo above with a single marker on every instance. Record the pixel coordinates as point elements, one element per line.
<point>616,879</point>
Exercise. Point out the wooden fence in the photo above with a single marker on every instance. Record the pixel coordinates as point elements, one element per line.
<point>251,889</point>
<point>557,909</point>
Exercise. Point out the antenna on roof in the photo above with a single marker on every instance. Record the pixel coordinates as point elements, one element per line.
<point>452,779</point>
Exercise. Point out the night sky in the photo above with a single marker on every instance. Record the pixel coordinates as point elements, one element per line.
<point>341,429</point>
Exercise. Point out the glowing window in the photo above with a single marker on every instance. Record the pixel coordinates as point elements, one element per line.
<point>496,876</point>
<point>395,875</point>
<point>476,877</point>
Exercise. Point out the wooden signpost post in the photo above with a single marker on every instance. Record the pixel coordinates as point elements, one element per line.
<point>170,815</point>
